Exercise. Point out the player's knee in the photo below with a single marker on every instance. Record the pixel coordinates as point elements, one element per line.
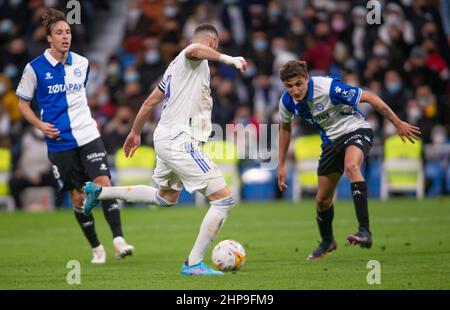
<point>351,169</point>
<point>225,204</point>
<point>167,200</point>
<point>323,203</point>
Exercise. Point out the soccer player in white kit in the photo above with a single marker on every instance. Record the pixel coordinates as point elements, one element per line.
<point>185,123</point>
<point>57,79</point>
<point>332,107</point>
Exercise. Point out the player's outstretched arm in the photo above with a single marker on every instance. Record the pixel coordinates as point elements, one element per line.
<point>283,142</point>
<point>198,51</point>
<point>133,140</point>
<point>404,129</point>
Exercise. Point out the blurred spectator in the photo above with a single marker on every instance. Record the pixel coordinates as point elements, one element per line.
<point>445,16</point>
<point>395,95</point>
<point>203,13</point>
<point>9,100</point>
<point>276,22</point>
<point>320,55</point>
<point>117,130</point>
<point>420,74</point>
<point>34,168</point>
<point>260,53</point>
<point>266,98</point>
<point>150,64</point>
<point>297,36</point>
<point>225,103</point>
<point>394,20</point>
<point>137,23</point>
<point>236,19</point>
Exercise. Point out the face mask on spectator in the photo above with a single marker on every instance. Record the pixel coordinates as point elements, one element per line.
<point>102,99</point>
<point>439,135</point>
<point>393,87</point>
<point>131,77</point>
<point>134,13</point>
<point>274,13</point>
<point>380,51</point>
<point>260,45</point>
<point>414,114</point>
<point>152,57</point>
<point>170,11</point>
<point>406,3</point>
<point>426,100</point>
<point>50,3</point>
<point>249,72</point>
<point>113,69</point>
<point>297,29</point>
<point>338,25</point>
<point>2,89</point>
<point>393,20</point>
<point>10,71</point>
<point>6,26</point>
<point>14,3</point>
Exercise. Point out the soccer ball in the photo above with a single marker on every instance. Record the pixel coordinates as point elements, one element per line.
<point>228,255</point>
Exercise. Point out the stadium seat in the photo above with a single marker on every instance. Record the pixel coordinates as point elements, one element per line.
<point>224,154</point>
<point>402,168</point>
<point>307,151</point>
<point>6,201</point>
<point>136,170</point>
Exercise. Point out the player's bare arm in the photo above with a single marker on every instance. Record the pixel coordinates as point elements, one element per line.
<point>404,129</point>
<point>133,140</point>
<point>48,129</point>
<point>284,140</point>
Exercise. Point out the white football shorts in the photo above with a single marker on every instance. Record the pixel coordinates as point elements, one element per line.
<point>180,162</point>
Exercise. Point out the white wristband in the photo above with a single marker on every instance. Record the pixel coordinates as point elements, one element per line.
<point>226,59</point>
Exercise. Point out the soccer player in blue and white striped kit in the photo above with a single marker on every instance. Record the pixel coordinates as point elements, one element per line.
<point>332,106</point>
<point>58,80</point>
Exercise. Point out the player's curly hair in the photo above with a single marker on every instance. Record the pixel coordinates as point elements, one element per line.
<point>50,18</point>
<point>293,68</point>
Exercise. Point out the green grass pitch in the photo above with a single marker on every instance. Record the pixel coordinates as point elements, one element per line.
<point>411,242</point>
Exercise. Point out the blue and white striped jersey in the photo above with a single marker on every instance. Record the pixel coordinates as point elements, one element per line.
<point>61,97</point>
<point>330,105</point>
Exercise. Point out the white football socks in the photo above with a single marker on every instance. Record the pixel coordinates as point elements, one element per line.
<point>136,193</point>
<point>210,227</point>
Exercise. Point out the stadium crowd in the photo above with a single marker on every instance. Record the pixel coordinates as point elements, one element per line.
<point>404,59</point>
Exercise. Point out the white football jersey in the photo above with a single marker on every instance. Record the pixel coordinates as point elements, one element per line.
<point>187,101</point>
<point>330,105</point>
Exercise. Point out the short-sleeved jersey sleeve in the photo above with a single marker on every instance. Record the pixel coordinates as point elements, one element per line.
<point>28,84</point>
<point>285,115</point>
<point>341,93</point>
<point>162,85</point>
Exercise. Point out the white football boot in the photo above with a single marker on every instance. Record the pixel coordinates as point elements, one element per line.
<point>98,255</point>
<point>122,248</point>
